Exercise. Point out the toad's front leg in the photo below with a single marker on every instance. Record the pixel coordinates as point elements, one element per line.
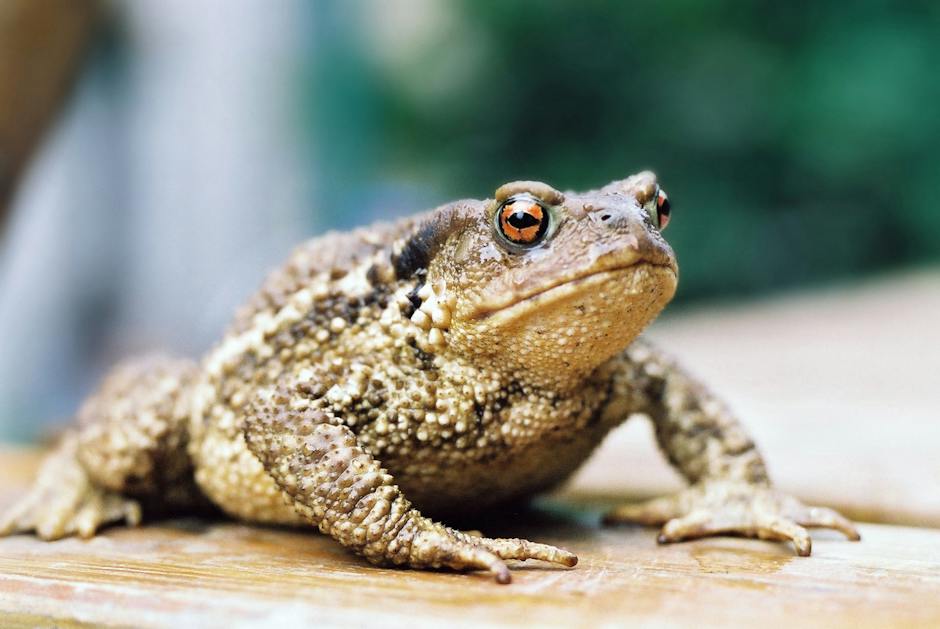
<point>730,491</point>
<point>343,490</point>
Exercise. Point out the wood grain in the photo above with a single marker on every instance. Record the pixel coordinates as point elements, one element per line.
<point>211,574</point>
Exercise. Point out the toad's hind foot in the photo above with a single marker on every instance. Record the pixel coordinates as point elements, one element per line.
<point>65,502</point>
<point>734,508</point>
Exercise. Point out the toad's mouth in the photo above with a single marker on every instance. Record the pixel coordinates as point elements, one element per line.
<point>642,273</point>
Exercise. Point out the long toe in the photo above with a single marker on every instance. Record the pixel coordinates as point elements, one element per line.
<point>823,517</point>
<point>521,549</point>
<point>692,526</point>
<point>782,529</point>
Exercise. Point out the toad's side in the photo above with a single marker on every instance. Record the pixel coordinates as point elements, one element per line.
<point>447,363</point>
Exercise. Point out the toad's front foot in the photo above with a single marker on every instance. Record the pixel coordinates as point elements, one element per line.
<point>65,502</point>
<point>437,546</point>
<point>731,507</point>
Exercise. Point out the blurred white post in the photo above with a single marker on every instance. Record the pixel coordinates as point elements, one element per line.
<point>220,191</point>
<point>159,204</point>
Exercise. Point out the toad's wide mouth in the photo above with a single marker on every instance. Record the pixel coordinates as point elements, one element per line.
<point>573,286</point>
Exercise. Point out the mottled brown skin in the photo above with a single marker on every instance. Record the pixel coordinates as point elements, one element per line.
<point>422,369</point>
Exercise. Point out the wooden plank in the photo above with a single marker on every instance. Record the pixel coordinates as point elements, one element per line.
<point>198,573</point>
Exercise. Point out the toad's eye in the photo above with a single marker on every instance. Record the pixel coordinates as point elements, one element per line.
<point>522,219</point>
<point>663,209</point>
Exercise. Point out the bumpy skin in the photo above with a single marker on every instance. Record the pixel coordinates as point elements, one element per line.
<point>420,369</point>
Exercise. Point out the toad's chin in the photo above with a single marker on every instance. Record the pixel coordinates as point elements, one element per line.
<point>578,324</point>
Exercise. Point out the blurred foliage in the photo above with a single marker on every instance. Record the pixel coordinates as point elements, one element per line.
<point>799,142</point>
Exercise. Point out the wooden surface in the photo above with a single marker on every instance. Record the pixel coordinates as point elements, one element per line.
<point>838,389</point>
<point>199,573</point>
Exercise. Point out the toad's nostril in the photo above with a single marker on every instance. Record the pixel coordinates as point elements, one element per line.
<point>605,217</point>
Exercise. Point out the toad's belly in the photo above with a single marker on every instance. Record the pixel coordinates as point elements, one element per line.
<point>441,488</point>
<point>235,480</point>
<point>437,483</point>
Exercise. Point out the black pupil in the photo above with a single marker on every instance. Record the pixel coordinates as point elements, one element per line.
<point>520,219</point>
<point>665,208</point>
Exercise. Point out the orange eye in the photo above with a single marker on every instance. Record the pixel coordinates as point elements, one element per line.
<point>522,219</point>
<point>663,208</point>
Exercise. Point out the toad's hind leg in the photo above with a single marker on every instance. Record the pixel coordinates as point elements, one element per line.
<point>129,448</point>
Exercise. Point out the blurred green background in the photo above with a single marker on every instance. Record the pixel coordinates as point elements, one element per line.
<point>798,143</point>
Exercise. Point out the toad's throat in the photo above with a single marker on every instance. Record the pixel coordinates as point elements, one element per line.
<point>569,287</point>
